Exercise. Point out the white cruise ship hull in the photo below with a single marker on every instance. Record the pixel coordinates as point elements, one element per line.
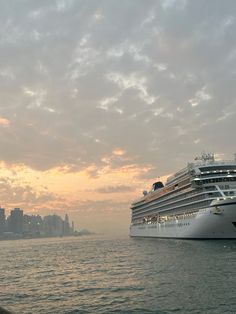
<point>215,222</point>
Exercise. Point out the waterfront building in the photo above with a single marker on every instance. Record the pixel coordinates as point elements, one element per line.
<point>66,226</point>
<point>33,225</point>
<point>19,224</point>
<point>15,221</point>
<point>2,220</point>
<point>53,225</point>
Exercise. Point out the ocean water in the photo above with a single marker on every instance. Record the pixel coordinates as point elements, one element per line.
<point>98,274</point>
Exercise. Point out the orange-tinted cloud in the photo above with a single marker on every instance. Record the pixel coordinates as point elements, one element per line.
<point>4,122</point>
<point>119,152</point>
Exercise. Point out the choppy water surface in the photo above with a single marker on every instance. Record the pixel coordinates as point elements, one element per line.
<point>97,274</point>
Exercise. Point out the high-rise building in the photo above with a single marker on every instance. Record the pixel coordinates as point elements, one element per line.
<point>15,221</point>
<point>53,225</point>
<point>2,220</point>
<point>66,226</point>
<point>32,224</point>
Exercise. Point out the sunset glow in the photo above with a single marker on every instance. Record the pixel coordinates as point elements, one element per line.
<point>98,100</point>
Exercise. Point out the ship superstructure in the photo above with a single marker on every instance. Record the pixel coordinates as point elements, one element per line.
<point>197,202</point>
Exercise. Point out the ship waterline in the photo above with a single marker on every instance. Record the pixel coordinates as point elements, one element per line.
<point>198,202</point>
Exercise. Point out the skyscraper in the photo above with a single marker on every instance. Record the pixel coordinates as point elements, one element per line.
<point>66,225</point>
<point>53,225</point>
<point>15,222</point>
<point>2,220</point>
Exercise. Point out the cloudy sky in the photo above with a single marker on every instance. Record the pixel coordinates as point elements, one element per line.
<point>99,98</point>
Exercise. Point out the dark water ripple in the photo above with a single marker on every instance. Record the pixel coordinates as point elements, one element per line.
<point>122,275</point>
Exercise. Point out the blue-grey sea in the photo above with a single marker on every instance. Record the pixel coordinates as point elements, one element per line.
<point>99,274</point>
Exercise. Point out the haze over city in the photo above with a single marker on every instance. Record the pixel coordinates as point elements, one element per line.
<point>99,98</point>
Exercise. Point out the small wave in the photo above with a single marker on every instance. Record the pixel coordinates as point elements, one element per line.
<point>111,289</point>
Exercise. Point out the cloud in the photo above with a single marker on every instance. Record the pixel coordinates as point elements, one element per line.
<point>115,189</point>
<point>100,98</point>
<point>98,207</point>
<point>7,73</point>
<point>173,4</point>
<point>201,96</point>
<point>133,81</point>
<point>4,122</point>
<point>23,195</point>
<point>118,152</point>
<point>80,79</point>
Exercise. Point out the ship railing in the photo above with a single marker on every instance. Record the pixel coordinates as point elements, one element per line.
<point>188,206</point>
<point>175,199</point>
<point>181,172</point>
<point>180,203</point>
<point>195,163</point>
<point>179,216</point>
<point>215,162</point>
<point>163,197</point>
<point>167,218</point>
<point>205,175</point>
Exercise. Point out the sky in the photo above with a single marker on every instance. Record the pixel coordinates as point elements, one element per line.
<point>98,99</point>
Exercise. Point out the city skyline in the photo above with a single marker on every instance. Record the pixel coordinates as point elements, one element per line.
<point>99,99</point>
<point>19,224</point>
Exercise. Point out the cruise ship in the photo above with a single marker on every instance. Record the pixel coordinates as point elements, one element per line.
<point>197,202</point>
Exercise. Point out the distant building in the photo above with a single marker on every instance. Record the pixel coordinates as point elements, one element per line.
<point>66,226</point>
<point>27,226</point>
<point>32,225</point>
<point>53,225</point>
<point>15,221</point>
<point>2,220</point>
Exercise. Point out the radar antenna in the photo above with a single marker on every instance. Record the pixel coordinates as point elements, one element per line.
<point>206,157</point>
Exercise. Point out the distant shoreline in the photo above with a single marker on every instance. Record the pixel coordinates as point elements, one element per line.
<point>12,236</point>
